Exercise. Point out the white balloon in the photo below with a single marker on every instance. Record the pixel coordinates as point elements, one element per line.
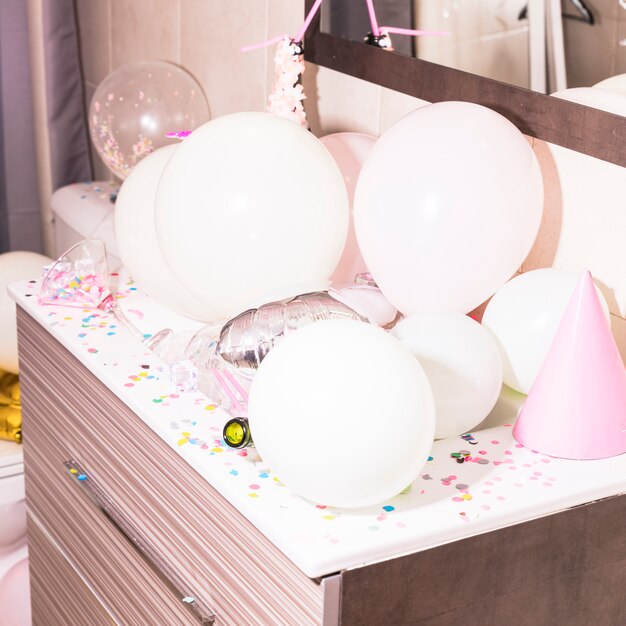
<point>617,84</point>
<point>14,266</point>
<point>462,364</point>
<point>447,206</point>
<point>342,413</point>
<point>251,208</point>
<point>523,317</point>
<point>136,237</point>
<point>596,97</point>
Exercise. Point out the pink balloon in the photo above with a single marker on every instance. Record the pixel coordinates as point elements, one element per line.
<point>447,207</point>
<point>15,596</point>
<point>349,151</point>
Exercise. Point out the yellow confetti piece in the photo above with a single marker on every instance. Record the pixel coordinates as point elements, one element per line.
<point>182,442</point>
<point>217,450</point>
<point>143,374</point>
<point>73,471</point>
<point>67,318</point>
<point>185,434</point>
<point>253,495</point>
<point>210,407</point>
<point>466,496</point>
<point>329,517</point>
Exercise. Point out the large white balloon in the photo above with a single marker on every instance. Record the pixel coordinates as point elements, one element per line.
<point>601,98</point>
<point>447,206</point>
<point>251,208</point>
<point>462,364</point>
<point>342,413</point>
<point>349,151</point>
<point>14,266</point>
<point>137,243</point>
<point>524,316</point>
<point>615,83</point>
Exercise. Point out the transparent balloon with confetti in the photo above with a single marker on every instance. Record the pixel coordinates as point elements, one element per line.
<point>137,105</point>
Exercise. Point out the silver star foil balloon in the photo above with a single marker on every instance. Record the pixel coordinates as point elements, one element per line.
<point>246,339</point>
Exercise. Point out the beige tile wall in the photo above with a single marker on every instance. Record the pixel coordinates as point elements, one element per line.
<point>486,37</point>
<point>585,218</point>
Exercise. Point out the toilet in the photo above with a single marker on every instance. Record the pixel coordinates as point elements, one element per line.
<point>14,587</point>
<point>84,210</point>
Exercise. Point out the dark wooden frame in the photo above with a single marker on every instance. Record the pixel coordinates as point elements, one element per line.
<point>566,568</point>
<point>581,128</point>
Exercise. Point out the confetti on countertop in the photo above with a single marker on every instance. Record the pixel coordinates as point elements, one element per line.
<point>498,482</point>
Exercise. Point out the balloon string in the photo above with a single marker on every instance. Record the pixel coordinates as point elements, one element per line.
<point>373,20</point>
<point>413,33</point>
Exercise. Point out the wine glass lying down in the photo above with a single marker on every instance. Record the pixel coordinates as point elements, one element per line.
<point>80,278</point>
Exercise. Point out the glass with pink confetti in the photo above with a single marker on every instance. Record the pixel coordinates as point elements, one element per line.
<point>80,278</point>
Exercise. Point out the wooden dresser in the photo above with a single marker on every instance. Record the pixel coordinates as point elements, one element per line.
<point>84,569</point>
<point>123,531</point>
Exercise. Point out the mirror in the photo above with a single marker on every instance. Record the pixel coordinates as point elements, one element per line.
<point>544,45</point>
<point>335,40</point>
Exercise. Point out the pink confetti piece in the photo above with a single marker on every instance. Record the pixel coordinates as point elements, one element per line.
<point>179,134</point>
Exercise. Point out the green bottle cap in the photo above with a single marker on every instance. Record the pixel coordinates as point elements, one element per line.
<point>237,433</point>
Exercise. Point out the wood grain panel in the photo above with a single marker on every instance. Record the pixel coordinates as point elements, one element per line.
<point>60,596</point>
<point>133,590</point>
<point>568,568</point>
<point>580,128</point>
<point>68,413</point>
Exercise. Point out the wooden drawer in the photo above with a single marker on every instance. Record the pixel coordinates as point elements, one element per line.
<point>566,568</point>
<point>60,595</point>
<point>133,590</point>
<point>233,568</point>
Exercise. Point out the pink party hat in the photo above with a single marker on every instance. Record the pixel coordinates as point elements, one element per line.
<point>576,408</point>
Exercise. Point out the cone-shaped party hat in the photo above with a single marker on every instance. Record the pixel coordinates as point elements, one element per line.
<point>576,408</point>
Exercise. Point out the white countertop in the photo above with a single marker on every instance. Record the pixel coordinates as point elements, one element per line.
<point>503,484</point>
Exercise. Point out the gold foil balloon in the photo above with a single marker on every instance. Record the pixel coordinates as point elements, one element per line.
<point>134,108</point>
<point>10,407</point>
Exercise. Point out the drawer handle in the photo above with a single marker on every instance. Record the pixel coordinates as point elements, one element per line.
<point>160,565</point>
